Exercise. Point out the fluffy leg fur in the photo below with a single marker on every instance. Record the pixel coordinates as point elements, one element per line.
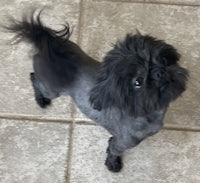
<point>115,149</point>
<point>113,162</point>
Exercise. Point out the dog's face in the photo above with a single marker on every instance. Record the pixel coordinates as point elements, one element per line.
<point>140,75</point>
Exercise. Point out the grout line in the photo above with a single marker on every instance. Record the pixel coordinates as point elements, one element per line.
<point>73,107</point>
<point>80,121</point>
<point>70,152</point>
<point>151,2</point>
<point>71,141</point>
<point>35,118</point>
<point>45,119</point>
<point>72,110</point>
<point>80,23</point>
<point>176,128</point>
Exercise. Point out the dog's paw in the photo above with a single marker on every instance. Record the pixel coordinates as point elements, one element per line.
<point>113,163</point>
<point>43,102</point>
<point>32,76</point>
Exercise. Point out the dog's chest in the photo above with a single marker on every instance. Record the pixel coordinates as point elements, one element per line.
<point>139,127</point>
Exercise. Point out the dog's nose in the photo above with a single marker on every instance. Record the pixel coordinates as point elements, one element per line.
<point>157,74</point>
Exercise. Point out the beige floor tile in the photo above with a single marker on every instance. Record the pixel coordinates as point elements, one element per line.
<point>33,152</point>
<point>105,22</point>
<point>169,156</point>
<point>16,94</point>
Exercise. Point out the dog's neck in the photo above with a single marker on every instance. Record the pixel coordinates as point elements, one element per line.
<point>85,80</point>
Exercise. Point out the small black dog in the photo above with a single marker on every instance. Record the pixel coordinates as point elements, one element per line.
<point>129,96</point>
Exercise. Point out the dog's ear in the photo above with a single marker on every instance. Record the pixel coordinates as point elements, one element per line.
<point>178,78</point>
<point>95,97</point>
<point>104,92</point>
<point>100,95</point>
<point>166,55</point>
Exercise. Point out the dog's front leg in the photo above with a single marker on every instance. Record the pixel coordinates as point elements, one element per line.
<point>115,149</point>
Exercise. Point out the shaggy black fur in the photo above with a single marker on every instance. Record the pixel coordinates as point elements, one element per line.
<point>135,83</point>
<point>143,59</point>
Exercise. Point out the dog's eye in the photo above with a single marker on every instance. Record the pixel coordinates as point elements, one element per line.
<point>139,82</point>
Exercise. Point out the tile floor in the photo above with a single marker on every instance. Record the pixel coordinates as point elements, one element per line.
<point>59,144</point>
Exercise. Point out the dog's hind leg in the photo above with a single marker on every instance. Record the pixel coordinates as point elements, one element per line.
<point>115,149</point>
<point>41,100</point>
<point>41,82</point>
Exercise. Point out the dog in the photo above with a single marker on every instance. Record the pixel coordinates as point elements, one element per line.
<point>128,93</point>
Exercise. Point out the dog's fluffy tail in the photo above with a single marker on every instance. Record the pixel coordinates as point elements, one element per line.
<point>59,58</point>
<point>31,29</point>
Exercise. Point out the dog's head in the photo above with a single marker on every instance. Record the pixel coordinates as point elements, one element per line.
<point>139,75</point>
